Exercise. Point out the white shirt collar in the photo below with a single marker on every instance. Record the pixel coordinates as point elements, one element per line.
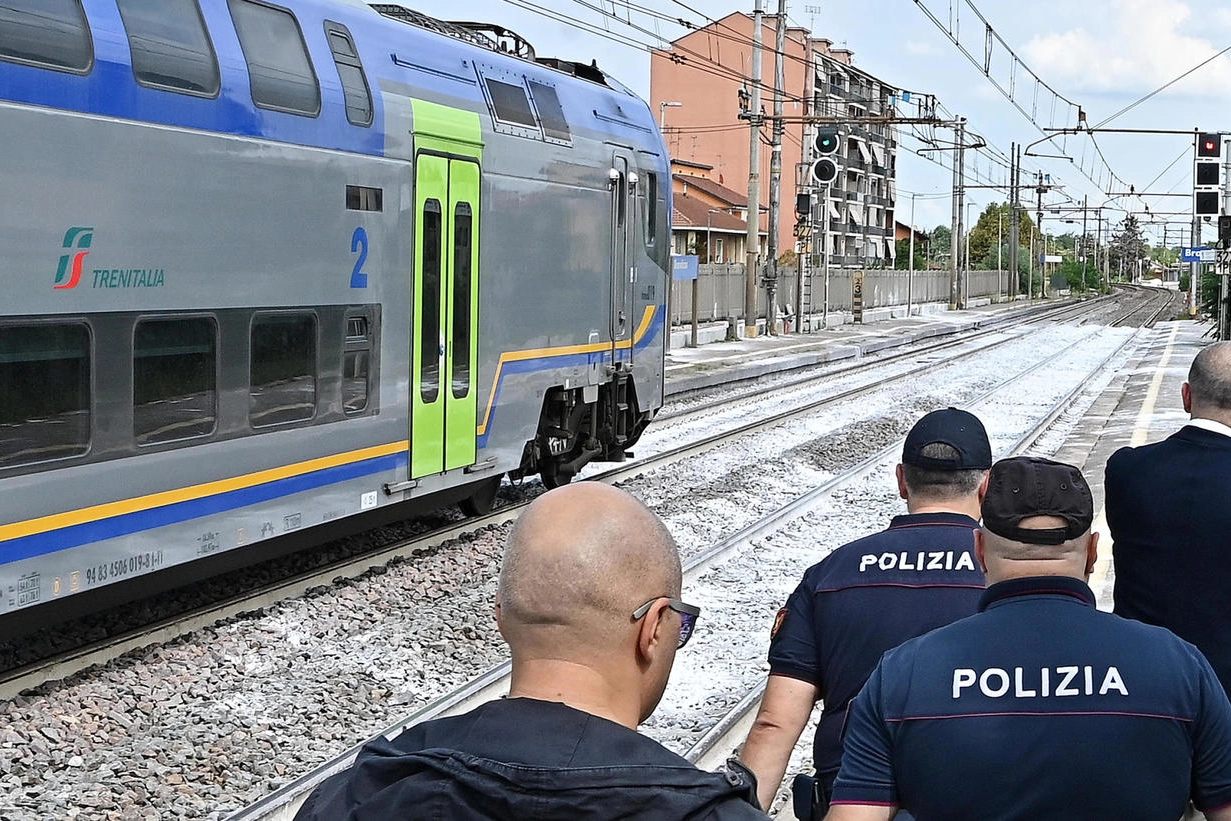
<point>1210,425</point>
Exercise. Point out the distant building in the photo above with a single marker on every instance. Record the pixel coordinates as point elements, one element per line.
<point>709,218</point>
<point>697,99</point>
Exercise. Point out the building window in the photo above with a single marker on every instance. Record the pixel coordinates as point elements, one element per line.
<point>718,252</point>
<point>48,33</point>
<point>44,392</point>
<point>175,385</point>
<point>510,103</point>
<point>279,68</point>
<point>550,112</point>
<point>350,72</point>
<point>170,47</point>
<point>282,369</point>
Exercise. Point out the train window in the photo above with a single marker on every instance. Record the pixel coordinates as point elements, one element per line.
<point>350,72</point>
<point>170,47</point>
<point>463,244</point>
<point>282,369</point>
<point>511,103</point>
<point>175,381</point>
<point>44,392</point>
<point>429,322</point>
<point>550,111</point>
<point>278,64</point>
<point>650,192</point>
<point>49,33</point>
<point>364,198</point>
<point>356,364</point>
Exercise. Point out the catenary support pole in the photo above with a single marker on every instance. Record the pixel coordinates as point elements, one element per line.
<point>775,176</point>
<point>752,252</point>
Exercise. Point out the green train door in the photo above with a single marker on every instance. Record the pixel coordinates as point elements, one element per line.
<point>444,361</point>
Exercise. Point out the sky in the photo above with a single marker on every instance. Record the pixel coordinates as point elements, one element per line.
<point>1102,55</point>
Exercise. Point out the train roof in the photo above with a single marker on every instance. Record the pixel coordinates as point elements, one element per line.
<point>95,65</point>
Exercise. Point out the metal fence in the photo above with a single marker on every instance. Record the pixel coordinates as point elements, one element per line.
<point>720,290</point>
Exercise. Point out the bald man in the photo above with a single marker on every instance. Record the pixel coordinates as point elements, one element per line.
<point>1039,706</point>
<point>589,603</point>
<point>1169,511</point>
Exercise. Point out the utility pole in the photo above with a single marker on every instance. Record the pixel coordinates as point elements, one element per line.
<point>1015,173</point>
<point>1040,190</point>
<point>1084,250</point>
<point>775,175</point>
<point>754,180</point>
<point>955,229</point>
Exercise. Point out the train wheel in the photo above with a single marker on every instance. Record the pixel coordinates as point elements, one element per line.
<point>480,502</point>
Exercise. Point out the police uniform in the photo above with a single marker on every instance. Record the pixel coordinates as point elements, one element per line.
<point>866,597</point>
<point>1039,706</point>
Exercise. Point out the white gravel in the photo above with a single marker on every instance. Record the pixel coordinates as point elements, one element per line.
<point>212,722</point>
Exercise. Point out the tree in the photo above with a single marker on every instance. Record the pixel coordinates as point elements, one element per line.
<point>941,242</point>
<point>992,231</point>
<point>1128,246</point>
<point>902,247</point>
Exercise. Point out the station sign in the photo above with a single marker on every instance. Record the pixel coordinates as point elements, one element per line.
<point>1196,254</point>
<point>684,266</point>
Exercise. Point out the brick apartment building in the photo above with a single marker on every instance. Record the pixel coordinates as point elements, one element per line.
<point>695,87</point>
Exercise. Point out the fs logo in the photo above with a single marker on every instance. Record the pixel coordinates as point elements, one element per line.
<point>69,273</point>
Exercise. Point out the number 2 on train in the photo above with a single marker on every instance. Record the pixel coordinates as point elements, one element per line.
<point>359,245</point>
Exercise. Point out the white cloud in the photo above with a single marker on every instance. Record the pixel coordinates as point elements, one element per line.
<point>1142,47</point>
<point>918,48</point>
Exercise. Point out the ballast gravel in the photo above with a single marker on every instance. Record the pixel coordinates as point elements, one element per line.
<point>209,723</point>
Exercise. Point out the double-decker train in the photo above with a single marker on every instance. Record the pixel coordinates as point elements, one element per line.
<point>272,269</point>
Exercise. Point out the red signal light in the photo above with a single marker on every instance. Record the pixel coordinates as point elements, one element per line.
<point>1210,145</point>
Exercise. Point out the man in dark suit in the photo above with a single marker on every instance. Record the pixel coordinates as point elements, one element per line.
<point>1169,510</point>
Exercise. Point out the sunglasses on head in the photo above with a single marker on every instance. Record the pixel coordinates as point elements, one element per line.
<point>688,615</point>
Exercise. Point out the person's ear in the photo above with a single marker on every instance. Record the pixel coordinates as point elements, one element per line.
<point>987,480</point>
<point>499,616</point>
<point>1091,554</point>
<point>981,550</point>
<point>902,491</point>
<point>652,633</point>
<point>1186,396</point>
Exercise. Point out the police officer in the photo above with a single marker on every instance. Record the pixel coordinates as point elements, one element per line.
<point>1169,512</point>
<point>589,604</point>
<point>1040,706</point>
<point>869,596</point>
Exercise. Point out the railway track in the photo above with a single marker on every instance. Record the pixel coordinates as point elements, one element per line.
<point>720,739</point>
<point>17,680</point>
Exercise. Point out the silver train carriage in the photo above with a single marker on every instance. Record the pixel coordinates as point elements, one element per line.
<point>272,266</point>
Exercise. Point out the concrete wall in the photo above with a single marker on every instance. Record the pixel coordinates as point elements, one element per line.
<point>721,290</point>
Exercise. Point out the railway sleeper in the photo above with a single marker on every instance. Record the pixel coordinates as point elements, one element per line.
<point>573,432</point>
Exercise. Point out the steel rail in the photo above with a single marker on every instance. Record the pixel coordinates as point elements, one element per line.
<point>15,681</point>
<point>284,803</point>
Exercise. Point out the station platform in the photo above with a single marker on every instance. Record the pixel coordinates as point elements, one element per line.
<point>716,361</point>
<point>1141,405</point>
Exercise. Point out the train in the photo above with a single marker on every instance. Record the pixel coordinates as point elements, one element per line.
<point>276,270</point>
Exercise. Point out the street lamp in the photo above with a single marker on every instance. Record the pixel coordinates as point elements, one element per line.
<point>662,112</point>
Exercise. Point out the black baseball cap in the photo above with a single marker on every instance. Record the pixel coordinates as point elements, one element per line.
<point>960,430</point>
<point>1026,486</point>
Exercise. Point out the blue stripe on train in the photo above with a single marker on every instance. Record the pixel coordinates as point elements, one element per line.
<point>39,544</point>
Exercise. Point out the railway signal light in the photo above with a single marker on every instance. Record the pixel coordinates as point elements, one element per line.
<point>1209,145</point>
<point>1207,175</point>
<point>824,171</point>
<point>827,140</point>
<point>1224,231</point>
